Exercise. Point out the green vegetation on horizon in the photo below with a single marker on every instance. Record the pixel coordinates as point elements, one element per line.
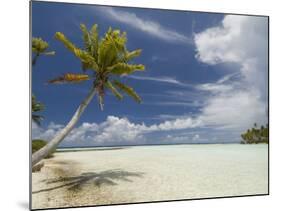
<point>256,135</point>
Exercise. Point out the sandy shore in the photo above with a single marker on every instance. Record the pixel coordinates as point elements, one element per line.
<point>150,173</point>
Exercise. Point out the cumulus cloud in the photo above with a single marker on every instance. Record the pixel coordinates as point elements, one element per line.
<point>46,134</point>
<point>237,39</point>
<point>147,26</point>
<point>180,123</point>
<point>116,130</point>
<point>113,130</point>
<point>241,40</point>
<point>84,132</point>
<point>234,109</point>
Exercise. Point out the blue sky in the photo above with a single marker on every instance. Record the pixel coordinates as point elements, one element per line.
<point>205,78</point>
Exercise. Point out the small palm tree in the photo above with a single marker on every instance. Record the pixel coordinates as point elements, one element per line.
<point>39,47</point>
<point>36,107</point>
<point>107,59</point>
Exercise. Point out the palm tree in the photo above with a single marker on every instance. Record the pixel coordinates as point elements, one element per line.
<point>106,58</point>
<point>39,47</point>
<point>36,107</point>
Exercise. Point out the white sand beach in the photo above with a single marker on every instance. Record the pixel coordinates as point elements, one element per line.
<point>150,173</point>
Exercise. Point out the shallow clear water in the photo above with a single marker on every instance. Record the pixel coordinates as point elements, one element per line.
<point>155,173</point>
<point>197,170</point>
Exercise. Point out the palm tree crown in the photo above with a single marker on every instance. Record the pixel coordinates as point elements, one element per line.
<point>39,47</point>
<point>106,57</point>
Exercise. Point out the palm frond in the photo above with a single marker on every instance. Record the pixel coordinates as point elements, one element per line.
<point>120,40</point>
<point>39,45</point>
<point>61,37</point>
<point>70,78</point>
<point>90,39</point>
<point>107,52</point>
<point>36,105</point>
<point>84,56</point>
<point>128,90</point>
<point>117,94</point>
<point>111,48</point>
<point>124,68</point>
<point>132,54</point>
<point>37,118</point>
<point>86,59</point>
<point>94,33</point>
<point>86,38</point>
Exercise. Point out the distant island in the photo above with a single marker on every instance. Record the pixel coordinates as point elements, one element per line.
<point>256,135</point>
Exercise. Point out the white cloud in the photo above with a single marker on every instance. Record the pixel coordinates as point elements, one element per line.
<point>179,123</point>
<point>234,109</point>
<point>46,134</point>
<point>190,137</point>
<point>241,40</point>
<point>194,103</point>
<point>84,132</point>
<point>236,40</point>
<point>222,85</point>
<point>214,87</point>
<point>228,77</point>
<point>113,130</point>
<point>117,130</point>
<point>145,25</point>
<point>161,79</point>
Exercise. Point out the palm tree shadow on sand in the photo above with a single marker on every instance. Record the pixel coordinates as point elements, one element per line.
<point>76,183</point>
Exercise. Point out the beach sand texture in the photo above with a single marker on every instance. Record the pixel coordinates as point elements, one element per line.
<point>150,173</point>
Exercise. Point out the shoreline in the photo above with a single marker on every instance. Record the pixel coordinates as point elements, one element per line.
<point>89,148</point>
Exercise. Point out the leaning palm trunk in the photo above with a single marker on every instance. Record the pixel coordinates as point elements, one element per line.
<point>43,152</point>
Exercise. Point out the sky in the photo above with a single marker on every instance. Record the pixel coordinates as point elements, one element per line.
<point>206,77</point>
